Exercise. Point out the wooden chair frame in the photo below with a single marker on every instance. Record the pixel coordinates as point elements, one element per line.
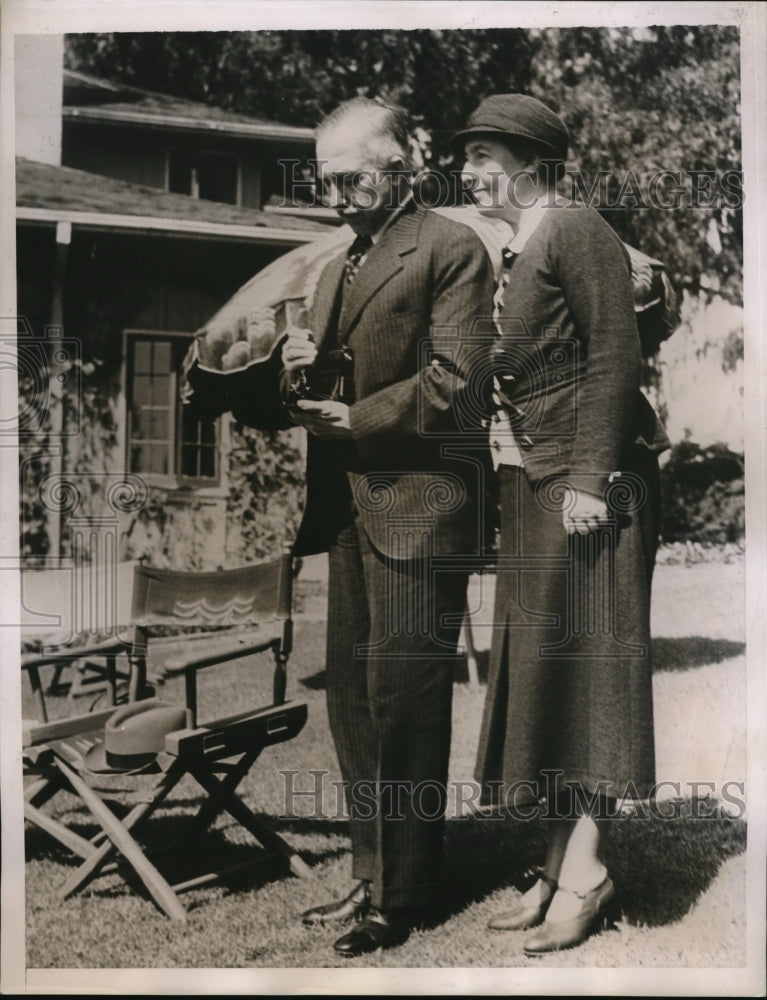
<point>217,755</point>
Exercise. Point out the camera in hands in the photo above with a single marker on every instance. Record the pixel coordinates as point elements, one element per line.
<point>329,378</point>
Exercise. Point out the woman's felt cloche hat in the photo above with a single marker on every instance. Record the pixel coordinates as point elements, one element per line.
<point>518,115</point>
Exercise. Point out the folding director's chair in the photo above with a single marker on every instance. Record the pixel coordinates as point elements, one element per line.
<point>232,614</point>
<point>74,619</point>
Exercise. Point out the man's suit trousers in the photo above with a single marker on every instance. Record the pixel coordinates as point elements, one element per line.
<point>390,666</point>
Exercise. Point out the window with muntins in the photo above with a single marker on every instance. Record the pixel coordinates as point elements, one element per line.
<point>164,439</point>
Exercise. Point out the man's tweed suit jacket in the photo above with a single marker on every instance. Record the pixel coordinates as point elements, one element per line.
<point>417,466</point>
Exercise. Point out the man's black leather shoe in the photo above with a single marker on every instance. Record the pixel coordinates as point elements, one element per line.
<point>351,907</point>
<point>379,929</point>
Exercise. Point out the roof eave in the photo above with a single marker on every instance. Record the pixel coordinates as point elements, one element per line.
<point>157,226</point>
<point>179,123</point>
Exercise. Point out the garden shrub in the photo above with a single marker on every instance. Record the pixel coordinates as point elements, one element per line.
<point>703,495</point>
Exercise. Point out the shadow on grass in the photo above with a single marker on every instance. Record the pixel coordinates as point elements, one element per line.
<point>667,654</point>
<point>164,841</point>
<point>315,681</point>
<point>660,866</point>
<point>213,851</point>
<point>692,651</point>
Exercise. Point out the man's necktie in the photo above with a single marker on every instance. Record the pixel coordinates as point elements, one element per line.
<point>355,256</point>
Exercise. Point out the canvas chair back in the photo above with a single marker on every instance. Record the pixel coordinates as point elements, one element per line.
<point>249,595</point>
<point>75,602</point>
<point>256,597</point>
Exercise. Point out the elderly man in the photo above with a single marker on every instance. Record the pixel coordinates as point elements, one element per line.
<point>390,493</point>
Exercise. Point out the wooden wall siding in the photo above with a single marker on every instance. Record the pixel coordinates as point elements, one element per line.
<point>140,157</point>
<point>135,157</point>
<point>274,175</point>
<point>35,258</point>
<point>117,281</point>
<point>251,188</point>
<point>164,284</point>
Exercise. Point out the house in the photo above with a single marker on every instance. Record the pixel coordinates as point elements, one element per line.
<point>180,146</point>
<point>149,215</point>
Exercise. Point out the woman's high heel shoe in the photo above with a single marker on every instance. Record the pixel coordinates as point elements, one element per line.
<point>522,917</point>
<point>599,907</point>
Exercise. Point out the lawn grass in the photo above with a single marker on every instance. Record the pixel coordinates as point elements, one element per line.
<point>682,880</point>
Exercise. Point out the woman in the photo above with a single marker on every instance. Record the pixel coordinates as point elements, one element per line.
<point>568,716</point>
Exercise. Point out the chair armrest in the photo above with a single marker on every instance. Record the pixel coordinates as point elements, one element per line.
<point>35,733</point>
<point>65,653</point>
<point>238,733</point>
<point>183,664</point>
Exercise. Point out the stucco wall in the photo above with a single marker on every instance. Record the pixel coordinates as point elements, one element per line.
<point>38,85</point>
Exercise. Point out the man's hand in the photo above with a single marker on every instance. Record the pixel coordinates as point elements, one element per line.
<point>584,512</point>
<point>299,349</point>
<point>328,420</point>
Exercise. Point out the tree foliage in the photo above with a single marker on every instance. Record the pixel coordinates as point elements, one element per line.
<point>637,101</point>
<point>664,100</point>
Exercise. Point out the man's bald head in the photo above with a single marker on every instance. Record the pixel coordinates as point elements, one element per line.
<point>375,133</point>
<point>364,163</point>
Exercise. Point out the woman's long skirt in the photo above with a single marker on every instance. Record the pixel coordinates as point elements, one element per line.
<point>569,698</point>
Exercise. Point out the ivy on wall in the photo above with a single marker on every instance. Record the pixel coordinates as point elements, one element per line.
<point>266,494</point>
<point>171,533</point>
<point>85,448</point>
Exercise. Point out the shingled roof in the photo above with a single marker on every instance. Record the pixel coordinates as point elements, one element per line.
<point>47,193</point>
<point>88,98</point>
